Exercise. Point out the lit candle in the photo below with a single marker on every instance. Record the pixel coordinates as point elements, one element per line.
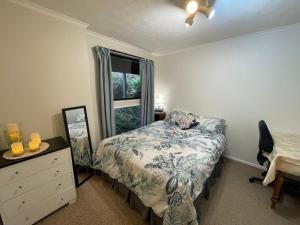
<point>33,146</point>
<point>36,138</point>
<point>17,148</point>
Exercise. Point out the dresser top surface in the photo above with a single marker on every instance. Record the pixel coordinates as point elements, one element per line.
<point>55,144</point>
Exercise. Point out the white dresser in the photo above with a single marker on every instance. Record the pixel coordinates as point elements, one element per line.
<point>32,189</point>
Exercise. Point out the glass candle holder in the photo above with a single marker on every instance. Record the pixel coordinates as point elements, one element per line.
<point>36,138</point>
<point>13,133</point>
<point>33,146</point>
<point>17,148</point>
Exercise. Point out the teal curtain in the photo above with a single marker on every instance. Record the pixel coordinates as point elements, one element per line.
<point>147,91</point>
<point>105,91</point>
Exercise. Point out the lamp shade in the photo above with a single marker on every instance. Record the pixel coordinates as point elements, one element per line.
<point>160,101</point>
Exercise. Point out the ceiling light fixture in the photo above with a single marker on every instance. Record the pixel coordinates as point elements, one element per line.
<point>193,6</point>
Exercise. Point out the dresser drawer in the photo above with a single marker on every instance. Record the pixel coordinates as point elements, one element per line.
<point>19,171</point>
<point>28,183</point>
<point>23,202</point>
<point>38,211</point>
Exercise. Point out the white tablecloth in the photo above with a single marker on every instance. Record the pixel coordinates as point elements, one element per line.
<point>285,156</point>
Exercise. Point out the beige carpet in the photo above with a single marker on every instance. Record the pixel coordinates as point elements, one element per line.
<point>233,201</point>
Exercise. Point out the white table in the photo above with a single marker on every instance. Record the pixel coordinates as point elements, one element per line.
<point>285,158</point>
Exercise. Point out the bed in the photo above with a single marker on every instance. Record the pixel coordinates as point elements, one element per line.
<point>80,143</point>
<point>164,166</point>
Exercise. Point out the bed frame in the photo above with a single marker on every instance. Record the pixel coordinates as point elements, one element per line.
<point>146,212</point>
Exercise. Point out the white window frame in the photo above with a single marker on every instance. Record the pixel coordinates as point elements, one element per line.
<point>126,103</point>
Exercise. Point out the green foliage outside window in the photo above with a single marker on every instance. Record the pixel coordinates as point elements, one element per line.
<point>127,86</point>
<point>128,118</point>
<point>118,83</point>
<point>133,82</point>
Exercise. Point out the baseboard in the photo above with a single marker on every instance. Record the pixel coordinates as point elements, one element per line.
<point>245,162</point>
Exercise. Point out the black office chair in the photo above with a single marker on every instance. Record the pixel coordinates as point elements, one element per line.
<point>265,144</point>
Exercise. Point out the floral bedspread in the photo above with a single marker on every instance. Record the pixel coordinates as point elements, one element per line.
<point>80,143</point>
<point>165,166</point>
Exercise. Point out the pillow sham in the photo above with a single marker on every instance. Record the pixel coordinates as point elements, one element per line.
<point>211,125</point>
<point>206,124</point>
<point>187,122</point>
<point>174,116</point>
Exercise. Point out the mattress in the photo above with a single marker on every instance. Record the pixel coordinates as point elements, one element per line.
<point>164,166</point>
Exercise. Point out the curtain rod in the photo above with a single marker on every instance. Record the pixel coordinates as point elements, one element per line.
<point>124,54</point>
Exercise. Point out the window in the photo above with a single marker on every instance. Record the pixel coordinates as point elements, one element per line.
<point>126,86</point>
<point>127,93</point>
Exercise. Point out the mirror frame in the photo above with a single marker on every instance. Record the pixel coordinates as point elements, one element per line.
<point>64,110</point>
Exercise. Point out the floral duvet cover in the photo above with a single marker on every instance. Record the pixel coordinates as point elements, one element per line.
<point>80,144</point>
<point>165,166</point>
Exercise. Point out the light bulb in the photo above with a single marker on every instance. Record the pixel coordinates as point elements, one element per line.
<point>192,7</point>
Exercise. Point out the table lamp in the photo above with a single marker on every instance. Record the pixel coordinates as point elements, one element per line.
<point>159,103</point>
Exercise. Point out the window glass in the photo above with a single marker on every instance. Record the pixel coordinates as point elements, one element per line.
<point>118,85</point>
<point>127,118</point>
<point>133,84</point>
<point>126,83</point>
<point>126,86</point>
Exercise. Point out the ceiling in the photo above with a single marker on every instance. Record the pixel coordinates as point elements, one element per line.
<point>158,25</point>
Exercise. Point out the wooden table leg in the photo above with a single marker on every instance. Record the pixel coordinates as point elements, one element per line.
<point>279,180</point>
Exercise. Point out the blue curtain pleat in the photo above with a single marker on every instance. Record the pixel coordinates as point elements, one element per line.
<point>147,91</point>
<point>105,91</point>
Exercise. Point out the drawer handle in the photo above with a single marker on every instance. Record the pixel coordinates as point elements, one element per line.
<point>57,171</point>
<point>17,172</point>
<point>20,187</point>
<point>62,199</point>
<point>27,218</point>
<point>23,202</point>
<point>54,160</point>
<point>59,185</point>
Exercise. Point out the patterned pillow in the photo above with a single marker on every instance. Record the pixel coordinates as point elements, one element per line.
<point>206,124</point>
<point>174,116</point>
<point>211,125</point>
<point>187,122</point>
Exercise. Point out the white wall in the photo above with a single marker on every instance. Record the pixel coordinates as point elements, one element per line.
<point>242,80</point>
<point>45,66</point>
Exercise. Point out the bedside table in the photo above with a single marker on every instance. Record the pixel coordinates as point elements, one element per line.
<point>159,116</point>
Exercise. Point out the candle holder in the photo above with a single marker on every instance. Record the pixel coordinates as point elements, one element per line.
<point>17,149</point>
<point>27,152</point>
<point>13,133</point>
<point>33,146</point>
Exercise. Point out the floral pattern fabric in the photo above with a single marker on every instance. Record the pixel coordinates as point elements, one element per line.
<point>166,167</point>
<point>187,122</point>
<point>205,124</point>
<point>80,144</point>
<point>211,125</point>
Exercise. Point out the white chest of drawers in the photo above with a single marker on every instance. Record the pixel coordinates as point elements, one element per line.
<point>32,189</point>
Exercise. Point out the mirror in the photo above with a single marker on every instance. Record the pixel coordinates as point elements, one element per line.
<point>78,135</point>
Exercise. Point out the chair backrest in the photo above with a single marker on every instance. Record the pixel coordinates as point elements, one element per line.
<point>266,142</point>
